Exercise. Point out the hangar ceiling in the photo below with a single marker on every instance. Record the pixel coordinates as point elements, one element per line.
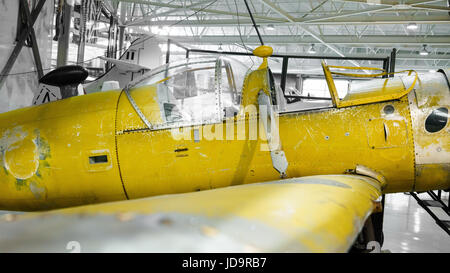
<point>351,28</point>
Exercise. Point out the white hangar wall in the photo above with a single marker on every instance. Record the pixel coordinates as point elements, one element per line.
<point>18,90</point>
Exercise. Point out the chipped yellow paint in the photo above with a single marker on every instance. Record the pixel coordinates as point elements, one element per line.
<point>44,154</point>
<point>150,164</point>
<point>394,133</point>
<point>22,159</point>
<point>432,150</point>
<point>144,162</point>
<point>310,214</point>
<point>346,135</point>
<point>255,82</point>
<point>147,99</point>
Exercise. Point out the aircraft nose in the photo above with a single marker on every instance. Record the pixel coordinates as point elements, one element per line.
<point>429,107</point>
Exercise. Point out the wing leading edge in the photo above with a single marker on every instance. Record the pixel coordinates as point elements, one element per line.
<point>308,214</point>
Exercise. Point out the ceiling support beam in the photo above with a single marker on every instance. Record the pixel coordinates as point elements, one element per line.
<point>304,28</point>
<point>389,40</point>
<point>20,43</point>
<point>34,44</point>
<point>147,19</point>
<point>347,14</point>
<point>406,5</point>
<point>391,2</point>
<point>211,11</point>
<point>359,20</point>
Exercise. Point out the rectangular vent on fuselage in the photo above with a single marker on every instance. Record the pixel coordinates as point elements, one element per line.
<point>98,159</point>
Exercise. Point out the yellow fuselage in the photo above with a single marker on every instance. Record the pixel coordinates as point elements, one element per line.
<point>95,148</point>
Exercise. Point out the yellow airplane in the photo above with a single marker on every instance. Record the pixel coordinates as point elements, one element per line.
<point>270,179</point>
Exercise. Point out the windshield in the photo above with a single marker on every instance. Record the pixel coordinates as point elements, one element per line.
<point>199,90</point>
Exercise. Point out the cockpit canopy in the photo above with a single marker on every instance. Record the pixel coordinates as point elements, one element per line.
<point>193,91</point>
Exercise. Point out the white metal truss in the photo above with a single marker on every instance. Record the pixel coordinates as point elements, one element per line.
<point>335,27</point>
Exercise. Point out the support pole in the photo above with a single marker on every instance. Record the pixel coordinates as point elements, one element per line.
<point>112,40</point>
<point>82,41</point>
<point>168,51</point>
<point>122,22</point>
<point>20,42</point>
<point>254,23</point>
<point>121,39</point>
<point>63,39</point>
<point>386,66</point>
<point>34,44</point>
<point>392,64</point>
<point>284,73</point>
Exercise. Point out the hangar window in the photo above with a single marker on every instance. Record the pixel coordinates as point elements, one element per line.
<point>437,120</point>
<point>130,55</point>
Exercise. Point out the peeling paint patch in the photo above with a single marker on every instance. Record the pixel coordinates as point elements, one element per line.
<point>11,136</point>
<point>434,152</point>
<point>43,146</point>
<point>20,183</point>
<point>39,192</point>
<point>21,159</point>
<point>45,164</point>
<point>22,156</point>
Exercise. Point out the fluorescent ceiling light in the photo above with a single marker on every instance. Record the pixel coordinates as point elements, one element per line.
<point>270,27</point>
<point>412,26</point>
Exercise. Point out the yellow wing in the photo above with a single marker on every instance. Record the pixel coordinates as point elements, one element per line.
<point>308,214</point>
